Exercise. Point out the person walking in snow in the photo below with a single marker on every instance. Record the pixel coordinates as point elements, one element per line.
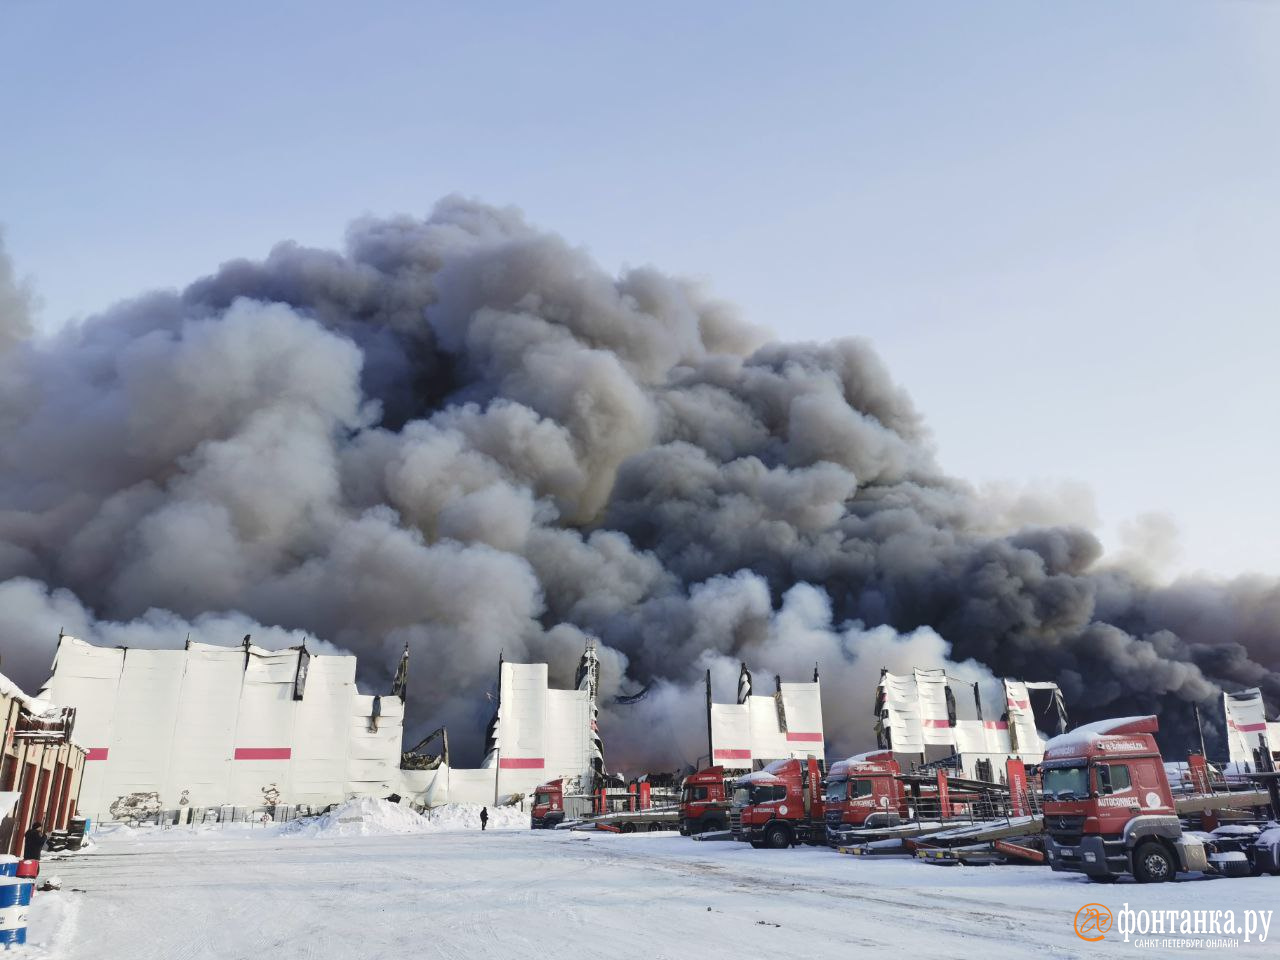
<point>484,818</point>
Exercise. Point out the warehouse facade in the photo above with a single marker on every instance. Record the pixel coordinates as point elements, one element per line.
<point>212,726</point>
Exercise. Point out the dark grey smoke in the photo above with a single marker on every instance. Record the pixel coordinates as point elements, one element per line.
<point>463,434</point>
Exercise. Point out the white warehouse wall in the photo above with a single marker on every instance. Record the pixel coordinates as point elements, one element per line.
<point>210,726</point>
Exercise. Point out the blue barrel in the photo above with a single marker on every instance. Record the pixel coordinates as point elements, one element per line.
<point>15,899</point>
<point>8,865</point>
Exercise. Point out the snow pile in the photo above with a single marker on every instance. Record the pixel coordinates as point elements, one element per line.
<point>361,817</point>
<point>1270,836</point>
<point>371,817</point>
<point>466,816</point>
<point>34,705</point>
<point>1236,830</point>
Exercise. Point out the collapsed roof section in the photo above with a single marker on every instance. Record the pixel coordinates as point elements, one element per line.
<point>538,734</point>
<point>928,708</point>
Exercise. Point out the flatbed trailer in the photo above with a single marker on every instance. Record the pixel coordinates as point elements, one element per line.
<point>876,849</point>
<point>986,832</point>
<point>1229,800</point>
<point>630,821</point>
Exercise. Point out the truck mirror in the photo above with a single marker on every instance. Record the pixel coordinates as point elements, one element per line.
<point>1104,780</point>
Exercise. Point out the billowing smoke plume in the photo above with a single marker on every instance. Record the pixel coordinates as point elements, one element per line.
<point>461,433</point>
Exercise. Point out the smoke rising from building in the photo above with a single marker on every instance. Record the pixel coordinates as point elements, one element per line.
<point>462,434</point>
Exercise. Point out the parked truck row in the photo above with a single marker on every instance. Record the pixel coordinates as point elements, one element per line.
<point>1100,804</point>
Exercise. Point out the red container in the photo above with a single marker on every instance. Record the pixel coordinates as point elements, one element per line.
<point>28,868</point>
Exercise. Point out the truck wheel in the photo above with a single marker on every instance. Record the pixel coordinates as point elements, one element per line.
<point>717,825</point>
<point>1152,863</point>
<point>655,827</point>
<point>628,828</point>
<point>777,837</point>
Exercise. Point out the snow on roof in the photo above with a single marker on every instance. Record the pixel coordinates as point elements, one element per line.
<point>871,756</point>
<point>34,705</point>
<point>1088,733</point>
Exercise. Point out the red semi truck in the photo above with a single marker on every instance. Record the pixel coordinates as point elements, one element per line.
<point>1109,811</point>
<point>864,792</point>
<point>704,801</point>
<point>780,805</point>
<point>549,806</point>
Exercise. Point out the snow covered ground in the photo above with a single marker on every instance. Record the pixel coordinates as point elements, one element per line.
<point>515,893</point>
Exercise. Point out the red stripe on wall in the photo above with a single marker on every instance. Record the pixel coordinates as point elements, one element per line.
<point>263,753</point>
<point>804,737</point>
<point>1249,727</point>
<point>96,753</point>
<point>521,763</point>
<point>941,724</point>
<point>733,754</point>
<point>995,724</point>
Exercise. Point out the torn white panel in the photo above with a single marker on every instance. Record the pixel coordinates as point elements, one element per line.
<point>522,718</point>
<point>376,734</point>
<point>204,727</point>
<point>1024,739</point>
<point>1246,724</point>
<point>570,746</point>
<point>427,788</point>
<point>731,735</point>
<point>935,722</point>
<point>998,739</point>
<point>768,741</point>
<point>473,786</point>
<point>804,735</point>
<point>142,726</point>
<point>902,713</point>
<point>87,677</point>
<point>264,729</point>
<point>321,741</point>
<point>969,731</point>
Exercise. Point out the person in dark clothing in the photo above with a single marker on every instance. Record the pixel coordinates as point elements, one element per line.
<point>484,818</point>
<point>33,842</point>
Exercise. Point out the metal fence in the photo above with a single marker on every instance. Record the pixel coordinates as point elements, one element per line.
<point>220,816</point>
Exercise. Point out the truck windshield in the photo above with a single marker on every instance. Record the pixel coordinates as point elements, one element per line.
<point>741,796</point>
<point>1066,783</point>
<point>837,789</point>
<point>541,799</point>
<point>692,794</point>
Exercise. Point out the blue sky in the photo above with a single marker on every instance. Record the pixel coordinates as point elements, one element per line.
<point>1059,222</point>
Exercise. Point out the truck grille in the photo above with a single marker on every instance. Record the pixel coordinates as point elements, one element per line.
<point>735,822</point>
<point>1065,828</point>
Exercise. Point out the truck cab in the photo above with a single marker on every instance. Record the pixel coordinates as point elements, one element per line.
<point>548,806</point>
<point>779,806</point>
<point>704,802</point>
<point>1108,809</point>
<point>863,792</point>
